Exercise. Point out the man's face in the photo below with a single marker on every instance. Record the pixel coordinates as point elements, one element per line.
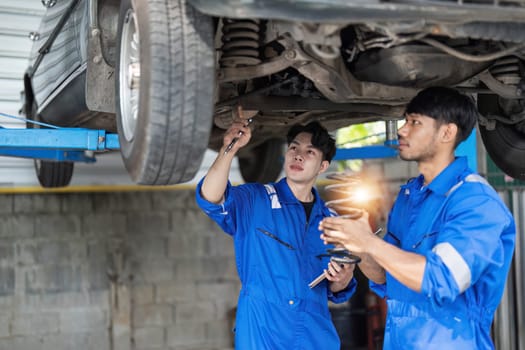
<point>418,138</point>
<point>303,162</point>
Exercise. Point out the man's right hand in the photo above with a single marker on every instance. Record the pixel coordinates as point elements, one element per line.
<point>239,132</point>
<point>216,179</point>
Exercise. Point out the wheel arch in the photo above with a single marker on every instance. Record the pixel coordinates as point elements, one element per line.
<point>102,39</point>
<point>505,143</point>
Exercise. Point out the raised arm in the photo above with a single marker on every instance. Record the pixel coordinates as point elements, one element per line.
<point>216,179</point>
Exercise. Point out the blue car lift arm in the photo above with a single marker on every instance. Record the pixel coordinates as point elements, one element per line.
<point>367,152</point>
<point>64,144</point>
<point>54,143</point>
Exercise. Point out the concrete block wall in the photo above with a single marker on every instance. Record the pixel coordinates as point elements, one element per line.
<point>107,271</point>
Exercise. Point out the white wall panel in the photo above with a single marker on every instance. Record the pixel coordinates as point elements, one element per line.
<point>9,107</point>
<point>17,19</point>
<point>29,6</point>
<point>17,46</point>
<point>10,88</point>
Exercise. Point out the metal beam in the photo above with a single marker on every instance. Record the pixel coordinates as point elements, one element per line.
<point>63,144</point>
<point>365,152</point>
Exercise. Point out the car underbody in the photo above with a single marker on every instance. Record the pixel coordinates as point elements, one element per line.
<point>337,62</point>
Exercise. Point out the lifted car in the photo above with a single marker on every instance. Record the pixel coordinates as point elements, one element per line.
<point>166,75</point>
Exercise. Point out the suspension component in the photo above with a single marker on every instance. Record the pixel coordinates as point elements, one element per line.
<point>507,70</point>
<point>241,41</point>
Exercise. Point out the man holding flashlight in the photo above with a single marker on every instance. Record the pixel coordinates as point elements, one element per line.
<point>276,238</point>
<point>444,260</point>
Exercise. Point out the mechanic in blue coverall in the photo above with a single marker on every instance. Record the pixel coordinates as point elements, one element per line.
<point>444,260</point>
<point>276,239</point>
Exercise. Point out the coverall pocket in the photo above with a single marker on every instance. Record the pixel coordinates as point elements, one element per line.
<point>276,238</point>
<point>426,243</point>
<point>422,333</point>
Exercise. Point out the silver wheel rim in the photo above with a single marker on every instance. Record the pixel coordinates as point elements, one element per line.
<point>129,76</point>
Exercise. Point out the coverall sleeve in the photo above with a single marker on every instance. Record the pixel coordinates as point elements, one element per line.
<point>226,214</point>
<point>469,242</point>
<point>345,294</point>
<point>380,288</point>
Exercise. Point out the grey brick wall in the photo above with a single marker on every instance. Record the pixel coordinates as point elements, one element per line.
<point>108,271</point>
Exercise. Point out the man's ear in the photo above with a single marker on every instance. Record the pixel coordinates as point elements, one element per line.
<point>449,132</point>
<point>324,165</point>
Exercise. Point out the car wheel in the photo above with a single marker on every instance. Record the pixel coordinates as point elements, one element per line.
<point>51,174</point>
<point>506,143</point>
<point>264,162</point>
<point>165,89</point>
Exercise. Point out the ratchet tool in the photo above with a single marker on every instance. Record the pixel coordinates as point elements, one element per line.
<point>235,139</point>
<point>340,256</point>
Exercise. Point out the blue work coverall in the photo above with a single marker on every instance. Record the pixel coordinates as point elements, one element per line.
<point>467,235</point>
<point>276,256</point>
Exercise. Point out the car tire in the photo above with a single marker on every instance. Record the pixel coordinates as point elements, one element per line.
<point>264,162</point>
<point>164,89</point>
<point>506,143</point>
<point>54,174</point>
<point>50,174</point>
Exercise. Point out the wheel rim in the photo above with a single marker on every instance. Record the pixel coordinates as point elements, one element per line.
<point>129,76</point>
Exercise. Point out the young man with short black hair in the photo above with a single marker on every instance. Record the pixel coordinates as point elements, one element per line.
<point>443,263</point>
<point>276,238</point>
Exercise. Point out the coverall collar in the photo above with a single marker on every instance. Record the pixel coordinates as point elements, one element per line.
<point>286,195</point>
<point>449,176</point>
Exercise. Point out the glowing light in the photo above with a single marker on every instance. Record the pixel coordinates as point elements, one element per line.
<point>361,195</point>
<point>350,193</point>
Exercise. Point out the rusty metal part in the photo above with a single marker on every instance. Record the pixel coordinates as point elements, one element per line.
<point>241,38</point>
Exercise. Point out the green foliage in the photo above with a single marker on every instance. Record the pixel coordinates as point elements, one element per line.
<point>356,136</point>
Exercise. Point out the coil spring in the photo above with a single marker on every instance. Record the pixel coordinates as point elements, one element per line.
<point>240,40</point>
<point>349,193</point>
<point>507,70</point>
<point>340,194</point>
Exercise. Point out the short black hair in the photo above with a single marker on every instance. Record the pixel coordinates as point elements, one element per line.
<point>446,105</point>
<point>321,139</point>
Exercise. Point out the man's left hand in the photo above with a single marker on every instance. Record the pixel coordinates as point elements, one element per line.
<point>339,275</point>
